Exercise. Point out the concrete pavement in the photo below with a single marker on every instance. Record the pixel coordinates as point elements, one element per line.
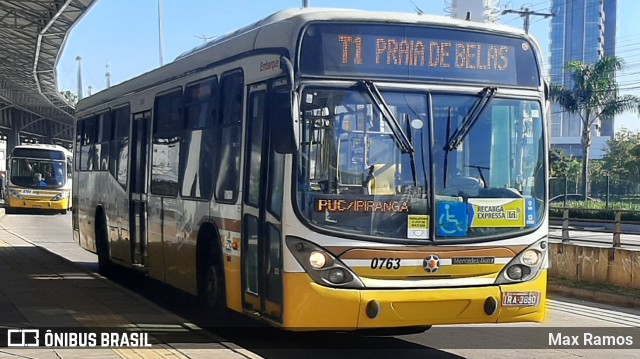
<point>39,289</point>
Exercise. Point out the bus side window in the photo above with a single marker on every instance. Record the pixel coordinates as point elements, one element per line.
<point>77,153</point>
<point>228,155</point>
<point>120,151</point>
<point>105,134</point>
<point>198,140</point>
<point>89,136</point>
<point>167,129</point>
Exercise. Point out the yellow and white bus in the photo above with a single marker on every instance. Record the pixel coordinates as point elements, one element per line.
<point>329,169</point>
<point>39,177</point>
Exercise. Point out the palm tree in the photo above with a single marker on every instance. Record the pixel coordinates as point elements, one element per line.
<point>594,95</point>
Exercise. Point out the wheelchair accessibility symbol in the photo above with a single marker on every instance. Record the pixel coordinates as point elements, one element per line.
<point>452,219</point>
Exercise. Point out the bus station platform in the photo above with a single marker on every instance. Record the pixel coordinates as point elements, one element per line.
<point>50,307</point>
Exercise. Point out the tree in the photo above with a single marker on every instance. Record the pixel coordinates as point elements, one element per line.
<point>559,164</point>
<point>622,156</point>
<point>563,167</point>
<point>594,95</point>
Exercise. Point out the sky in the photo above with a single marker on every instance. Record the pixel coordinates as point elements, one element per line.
<point>124,34</point>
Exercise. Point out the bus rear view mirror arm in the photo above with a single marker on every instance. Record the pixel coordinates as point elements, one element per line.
<point>285,113</point>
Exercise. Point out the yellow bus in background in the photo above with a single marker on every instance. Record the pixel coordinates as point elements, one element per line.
<point>329,170</point>
<point>39,177</point>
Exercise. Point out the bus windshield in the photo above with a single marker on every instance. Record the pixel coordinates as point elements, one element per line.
<point>354,177</point>
<point>38,173</point>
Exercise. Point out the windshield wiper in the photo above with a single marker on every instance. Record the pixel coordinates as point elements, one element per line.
<point>399,135</point>
<point>471,119</point>
<point>480,168</point>
<point>412,157</point>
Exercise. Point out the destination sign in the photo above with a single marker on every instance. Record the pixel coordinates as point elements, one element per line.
<point>413,52</point>
<point>356,205</point>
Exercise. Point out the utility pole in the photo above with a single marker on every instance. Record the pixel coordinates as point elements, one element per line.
<point>526,13</point>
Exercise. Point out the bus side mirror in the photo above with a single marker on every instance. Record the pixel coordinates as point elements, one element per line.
<point>285,120</point>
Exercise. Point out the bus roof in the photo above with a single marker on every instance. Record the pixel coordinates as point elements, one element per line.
<point>300,17</point>
<point>279,30</point>
<point>42,146</point>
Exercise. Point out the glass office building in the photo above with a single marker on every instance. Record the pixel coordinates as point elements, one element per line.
<point>581,30</point>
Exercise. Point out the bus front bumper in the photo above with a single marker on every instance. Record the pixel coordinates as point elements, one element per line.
<point>309,306</point>
<point>62,204</point>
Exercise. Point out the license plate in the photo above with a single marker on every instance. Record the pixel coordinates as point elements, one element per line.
<point>521,299</point>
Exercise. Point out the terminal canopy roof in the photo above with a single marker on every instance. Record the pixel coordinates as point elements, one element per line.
<point>32,34</point>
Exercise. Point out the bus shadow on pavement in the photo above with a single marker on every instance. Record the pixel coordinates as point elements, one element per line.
<point>271,342</point>
<point>41,283</point>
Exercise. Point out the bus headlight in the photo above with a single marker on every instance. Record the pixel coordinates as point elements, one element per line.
<point>526,265</point>
<point>530,257</point>
<point>317,260</point>
<point>60,196</point>
<point>336,275</point>
<point>517,272</point>
<point>322,266</point>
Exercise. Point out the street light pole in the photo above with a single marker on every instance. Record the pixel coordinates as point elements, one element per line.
<point>79,79</point>
<point>160,24</point>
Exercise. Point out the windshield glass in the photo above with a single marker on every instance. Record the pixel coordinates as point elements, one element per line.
<point>352,176</point>
<point>34,173</point>
<point>493,182</point>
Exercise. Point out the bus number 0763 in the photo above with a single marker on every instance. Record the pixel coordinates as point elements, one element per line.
<point>388,263</point>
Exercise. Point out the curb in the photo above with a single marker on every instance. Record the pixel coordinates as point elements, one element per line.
<point>595,296</point>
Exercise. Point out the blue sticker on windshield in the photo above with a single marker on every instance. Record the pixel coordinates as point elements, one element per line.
<point>530,212</point>
<point>452,219</point>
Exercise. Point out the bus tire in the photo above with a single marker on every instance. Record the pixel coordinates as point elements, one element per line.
<point>105,266</point>
<point>211,286</point>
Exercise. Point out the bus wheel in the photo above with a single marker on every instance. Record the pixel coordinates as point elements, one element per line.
<point>105,266</point>
<point>211,288</point>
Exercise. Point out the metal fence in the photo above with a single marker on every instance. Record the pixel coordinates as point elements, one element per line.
<point>572,228</point>
<point>609,189</point>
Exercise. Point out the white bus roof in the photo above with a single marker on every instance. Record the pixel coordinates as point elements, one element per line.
<point>42,146</point>
<point>279,30</point>
<point>300,17</point>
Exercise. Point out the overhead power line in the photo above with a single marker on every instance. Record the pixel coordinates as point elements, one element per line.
<point>526,13</point>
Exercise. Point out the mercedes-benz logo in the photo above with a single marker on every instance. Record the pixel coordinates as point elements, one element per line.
<point>432,263</point>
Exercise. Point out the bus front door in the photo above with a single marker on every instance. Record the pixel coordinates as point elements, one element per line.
<point>138,188</point>
<point>261,210</point>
